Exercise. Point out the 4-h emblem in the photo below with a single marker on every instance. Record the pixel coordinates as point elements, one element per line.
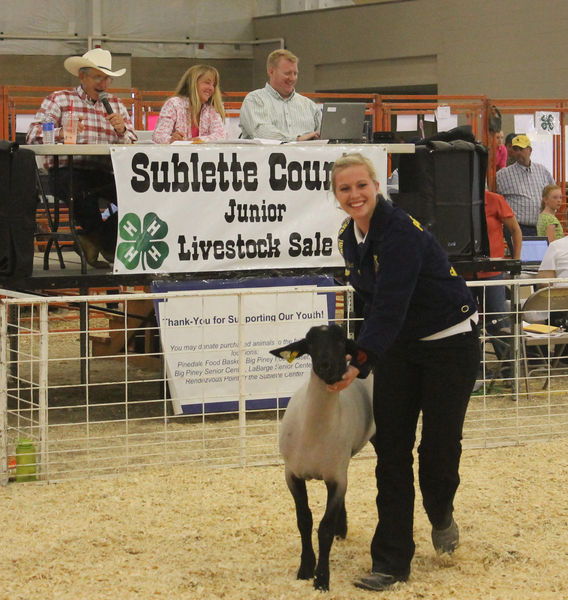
<point>547,122</point>
<point>142,241</point>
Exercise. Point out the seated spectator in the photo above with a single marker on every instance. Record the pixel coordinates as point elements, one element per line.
<point>548,225</point>
<point>500,151</point>
<point>93,178</point>
<point>196,111</point>
<point>277,111</point>
<point>492,299</point>
<point>555,262</point>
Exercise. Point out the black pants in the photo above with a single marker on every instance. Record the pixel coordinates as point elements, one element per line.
<point>89,186</point>
<point>437,378</point>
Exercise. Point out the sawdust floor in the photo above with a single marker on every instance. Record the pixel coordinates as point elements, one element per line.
<point>187,532</point>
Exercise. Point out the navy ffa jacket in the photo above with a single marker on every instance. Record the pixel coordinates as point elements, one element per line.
<point>404,277</point>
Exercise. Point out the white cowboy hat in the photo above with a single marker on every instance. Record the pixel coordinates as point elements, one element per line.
<point>97,58</point>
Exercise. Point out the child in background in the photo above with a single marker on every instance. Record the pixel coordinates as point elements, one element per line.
<point>500,151</point>
<point>548,224</point>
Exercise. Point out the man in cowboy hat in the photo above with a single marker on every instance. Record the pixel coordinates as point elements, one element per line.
<point>93,178</point>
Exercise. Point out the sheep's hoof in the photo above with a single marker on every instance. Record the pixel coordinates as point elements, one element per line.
<point>306,571</point>
<point>321,583</point>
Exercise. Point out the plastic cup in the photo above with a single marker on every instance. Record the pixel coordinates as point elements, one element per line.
<point>48,132</point>
<point>70,126</point>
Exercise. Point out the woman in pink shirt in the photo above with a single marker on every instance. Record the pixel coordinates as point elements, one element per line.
<point>196,111</point>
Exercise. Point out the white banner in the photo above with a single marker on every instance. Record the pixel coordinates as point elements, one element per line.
<point>217,348</point>
<point>207,207</point>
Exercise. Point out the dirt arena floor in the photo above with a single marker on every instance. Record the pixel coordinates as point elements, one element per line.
<point>188,533</point>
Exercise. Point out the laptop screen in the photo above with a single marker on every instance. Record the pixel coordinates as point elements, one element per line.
<point>532,250</point>
<point>342,121</point>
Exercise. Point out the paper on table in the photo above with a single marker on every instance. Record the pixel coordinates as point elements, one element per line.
<point>234,141</point>
<point>541,328</point>
<point>314,142</point>
<point>266,142</point>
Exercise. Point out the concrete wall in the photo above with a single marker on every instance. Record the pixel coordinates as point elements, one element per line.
<point>502,49</point>
<point>164,73</point>
<point>142,73</point>
<point>48,70</point>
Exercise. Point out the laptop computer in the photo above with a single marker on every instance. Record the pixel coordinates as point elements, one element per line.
<point>532,252</point>
<point>342,121</point>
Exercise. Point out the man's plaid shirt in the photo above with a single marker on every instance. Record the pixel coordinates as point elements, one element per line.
<point>97,129</point>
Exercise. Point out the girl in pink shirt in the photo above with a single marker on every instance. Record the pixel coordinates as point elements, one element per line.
<point>196,111</point>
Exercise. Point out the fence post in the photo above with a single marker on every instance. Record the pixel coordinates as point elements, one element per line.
<point>4,470</point>
<point>242,385</point>
<point>43,468</point>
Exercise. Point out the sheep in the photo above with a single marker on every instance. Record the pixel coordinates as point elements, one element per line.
<point>319,434</point>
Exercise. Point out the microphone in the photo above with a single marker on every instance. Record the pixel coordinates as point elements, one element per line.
<point>103,97</point>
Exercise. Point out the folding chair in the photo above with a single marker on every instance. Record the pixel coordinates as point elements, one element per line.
<point>54,235</point>
<point>540,310</point>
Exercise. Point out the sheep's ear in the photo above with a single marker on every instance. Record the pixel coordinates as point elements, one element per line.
<point>291,351</point>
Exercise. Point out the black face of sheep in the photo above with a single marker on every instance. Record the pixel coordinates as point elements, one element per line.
<point>328,346</point>
<point>320,432</point>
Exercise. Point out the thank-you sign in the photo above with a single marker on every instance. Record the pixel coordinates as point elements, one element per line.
<point>217,347</point>
<point>204,208</point>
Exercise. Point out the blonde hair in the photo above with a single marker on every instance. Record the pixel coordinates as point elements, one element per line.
<point>275,56</point>
<point>354,159</point>
<point>187,88</point>
<point>545,191</point>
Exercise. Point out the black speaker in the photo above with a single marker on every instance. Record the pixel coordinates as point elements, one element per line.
<point>18,200</point>
<point>442,185</point>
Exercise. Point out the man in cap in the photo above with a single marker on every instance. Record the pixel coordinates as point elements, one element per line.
<point>277,111</point>
<point>509,148</point>
<point>93,178</point>
<point>521,184</point>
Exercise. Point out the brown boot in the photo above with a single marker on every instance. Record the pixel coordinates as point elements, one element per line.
<point>91,249</point>
<point>108,254</point>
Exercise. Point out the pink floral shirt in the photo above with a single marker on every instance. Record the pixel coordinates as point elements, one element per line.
<point>174,115</point>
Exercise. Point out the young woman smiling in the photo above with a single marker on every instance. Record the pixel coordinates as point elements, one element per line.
<point>419,334</point>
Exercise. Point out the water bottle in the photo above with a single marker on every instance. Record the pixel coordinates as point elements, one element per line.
<point>48,132</point>
<point>25,461</point>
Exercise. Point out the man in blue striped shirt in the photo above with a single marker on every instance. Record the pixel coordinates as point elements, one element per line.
<point>277,111</point>
<point>522,183</point>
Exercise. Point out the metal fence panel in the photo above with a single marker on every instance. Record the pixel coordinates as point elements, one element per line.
<point>109,411</point>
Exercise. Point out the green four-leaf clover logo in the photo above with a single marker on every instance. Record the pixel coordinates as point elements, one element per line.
<point>547,122</point>
<point>142,241</point>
